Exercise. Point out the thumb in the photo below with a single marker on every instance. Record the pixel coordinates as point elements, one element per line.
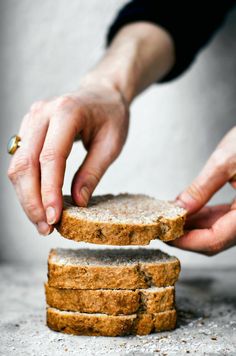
<point>99,157</point>
<point>212,177</point>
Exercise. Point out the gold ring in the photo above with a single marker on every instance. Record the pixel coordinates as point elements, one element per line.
<point>13,143</point>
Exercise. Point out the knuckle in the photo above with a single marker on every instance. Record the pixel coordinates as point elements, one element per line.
<point>92,177</point>
<point>11,172</point>
<point>214,248</point>
<point>72,109</point>
<point>51,195</point>
<point>32,210</point>
<point>64,101</point>
<point>37,106</point>
<point>196,191</point>
<point>50,191</point>
<point>218,158</point>
<point>223,161</point>
<point>48,155</point>
<point>20,167</point>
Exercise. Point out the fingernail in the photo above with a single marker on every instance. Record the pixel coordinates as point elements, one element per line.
<point>51,215</point>
<point>43,228</point>
<point>84,192</point>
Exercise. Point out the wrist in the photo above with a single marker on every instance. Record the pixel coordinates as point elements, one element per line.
<point>109,80</point>
<point>139,55</point>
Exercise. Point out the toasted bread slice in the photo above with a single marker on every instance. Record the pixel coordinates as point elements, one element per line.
<point>124,219</point>
<point>111,268</point>
<point>109,325</point>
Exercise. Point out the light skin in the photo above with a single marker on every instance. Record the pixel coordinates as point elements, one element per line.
<point>212,229</point>
<point>98,114</point>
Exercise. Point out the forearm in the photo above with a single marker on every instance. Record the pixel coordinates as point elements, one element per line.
<point>140,54</point>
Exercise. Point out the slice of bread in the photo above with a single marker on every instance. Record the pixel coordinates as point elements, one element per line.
<point>111,301</point>
<point>111,268</point>
<point>124,219</point>
<point>109,325</point>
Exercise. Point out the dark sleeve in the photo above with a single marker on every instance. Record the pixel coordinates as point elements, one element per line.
<point>191,24</point>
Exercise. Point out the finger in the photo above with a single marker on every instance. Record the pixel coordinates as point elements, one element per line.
<point>219,237</point>
<point>101,154</point>
<point>233,181</point>
<point>206,217</point>
<point>233,205</point>
<point>57,146</point>
<point>24,168</point>
<point>229,141</point>
<point>212,177</point>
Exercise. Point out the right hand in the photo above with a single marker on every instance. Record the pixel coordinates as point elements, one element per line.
<point>99,115</point>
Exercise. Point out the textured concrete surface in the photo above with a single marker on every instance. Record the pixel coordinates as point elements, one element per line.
<point>206,301</point>
<point>47,46</point>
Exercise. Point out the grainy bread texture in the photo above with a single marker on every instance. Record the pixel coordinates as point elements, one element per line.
<point>111,301</point>
<point>109,325</point>
<point>124,219</point>
<point>111,269</point>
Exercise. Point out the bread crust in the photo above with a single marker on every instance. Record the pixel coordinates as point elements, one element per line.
<point>109,325</point>
<point>119,234</point>
<point>136,275</point>
<point>79,228</point>
<point>111,301</point>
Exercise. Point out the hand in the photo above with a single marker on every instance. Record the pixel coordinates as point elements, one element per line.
<point>99,114</point>
<point>211,230</point>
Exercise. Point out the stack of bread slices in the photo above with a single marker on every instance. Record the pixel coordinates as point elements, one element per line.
<point>111,291</point>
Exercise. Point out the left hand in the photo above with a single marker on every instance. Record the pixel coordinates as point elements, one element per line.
<point>211,229</point>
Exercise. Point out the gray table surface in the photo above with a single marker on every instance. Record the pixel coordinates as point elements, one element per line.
<point>206,301</point>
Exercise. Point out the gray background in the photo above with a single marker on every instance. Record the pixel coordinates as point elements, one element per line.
<point>46,47</point>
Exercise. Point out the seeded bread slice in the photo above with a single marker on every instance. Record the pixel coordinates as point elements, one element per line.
<point>124,219</point>
<point>109,325</point>
<point>111,269</point>
<point>111,301</point>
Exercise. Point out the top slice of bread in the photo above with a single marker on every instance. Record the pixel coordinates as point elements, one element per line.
<point>111,268</point>
<point>124,219</point>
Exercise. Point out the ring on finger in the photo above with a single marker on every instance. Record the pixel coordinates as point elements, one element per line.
<point>13,144</point>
